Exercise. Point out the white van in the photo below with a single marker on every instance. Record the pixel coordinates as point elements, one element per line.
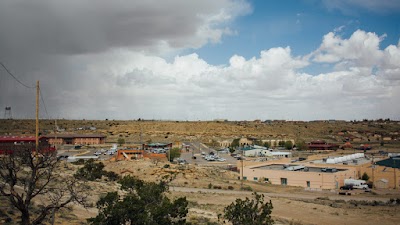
<point>358,184</point>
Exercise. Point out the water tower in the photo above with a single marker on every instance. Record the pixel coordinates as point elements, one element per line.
<point>7,113</point>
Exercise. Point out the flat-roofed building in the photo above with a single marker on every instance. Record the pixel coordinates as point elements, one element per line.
<point>387,169</point>
<point>245,141</point>
<point>8,144</point>
<point>313,177</point>
<point>260,151</point>
<point>322,145</point>
<point>76,139</point>
<point>157,146</point>
<point>225,143</point>
<point>133,154</point>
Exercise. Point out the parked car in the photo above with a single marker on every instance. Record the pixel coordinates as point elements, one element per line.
<point>97,153</point>
<point>61,157</point>
<point>346,187</point>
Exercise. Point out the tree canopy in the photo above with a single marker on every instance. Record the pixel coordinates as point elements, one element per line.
<point>249,211</point>
<point>301,145</point>
<point>92,171</point>
<point>173,153</point>
<point>143,203</point>
<point>235,143</point>
<point>26,175</point>
<point>288,145</point>
<point>121,141</point>
<point>365,176</point>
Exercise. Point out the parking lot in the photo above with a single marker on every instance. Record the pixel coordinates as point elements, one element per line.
<point>71,151</point>
<point>193,157</point>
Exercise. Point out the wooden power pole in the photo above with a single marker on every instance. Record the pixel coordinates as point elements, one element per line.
<point>37,116</point>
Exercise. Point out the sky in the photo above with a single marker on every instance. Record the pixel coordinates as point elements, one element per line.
<point>201,60</point>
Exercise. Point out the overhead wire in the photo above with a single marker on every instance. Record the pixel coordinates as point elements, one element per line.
<point>15,78</point>
<point>27,86</point>
<point>44,105</point>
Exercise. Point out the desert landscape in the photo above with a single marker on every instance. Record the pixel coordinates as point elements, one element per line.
<point>175,112</point>
<point>209,187</point>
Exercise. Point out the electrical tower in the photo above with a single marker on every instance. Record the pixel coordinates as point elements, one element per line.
<point>7,113</point>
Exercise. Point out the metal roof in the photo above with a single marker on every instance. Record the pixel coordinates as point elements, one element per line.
<point>390,162</point>
<point>19,138</point>
<point>76,136</point>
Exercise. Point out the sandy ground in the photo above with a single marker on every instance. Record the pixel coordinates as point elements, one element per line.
<point>292,205</point>
<point>299,208</point>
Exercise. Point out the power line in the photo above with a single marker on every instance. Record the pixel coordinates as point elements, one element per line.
<point>15,78</point>
<point>40,91</point>
<point>44,105</point>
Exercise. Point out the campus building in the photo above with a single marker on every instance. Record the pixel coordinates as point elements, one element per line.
<point>313,177</point>
<point>152,146</point>
<point>13,143</point>
<point>76,139</point>
<point>134,154</point>
<point>322,145</point>
<point>325,173</point>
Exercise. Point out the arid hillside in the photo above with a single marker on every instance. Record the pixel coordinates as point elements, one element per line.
<point>206,131</point>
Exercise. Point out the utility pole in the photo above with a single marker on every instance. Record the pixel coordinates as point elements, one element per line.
<point>395,177</point>
<point>55,134</point>
<point>37,116</point>
<point>373,176</point>
<point>141,138</point>
<point>242,172</point>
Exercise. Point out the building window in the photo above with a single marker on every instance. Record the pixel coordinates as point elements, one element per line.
<point>266,179</point>
<point>244,178</point>
<point>283,181</point>
<point>308,184</point>
<point>255,178</point>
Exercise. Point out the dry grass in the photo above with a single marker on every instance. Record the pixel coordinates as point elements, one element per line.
<point>173,131</point>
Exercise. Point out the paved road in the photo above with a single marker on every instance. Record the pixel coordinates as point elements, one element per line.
<point>305,195</point>
<point>199,147</point>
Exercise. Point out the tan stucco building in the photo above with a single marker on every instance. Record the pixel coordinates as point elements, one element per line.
<point>298,175</point>
<point>315,173</point>
<point>378,173</point>
<point>245,142</point>
<point>275,142</point>
<point>225,144</point>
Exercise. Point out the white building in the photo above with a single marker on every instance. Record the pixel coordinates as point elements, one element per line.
<point>259,151</point>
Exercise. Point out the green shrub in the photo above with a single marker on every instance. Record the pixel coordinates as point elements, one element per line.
<point>247,188</point>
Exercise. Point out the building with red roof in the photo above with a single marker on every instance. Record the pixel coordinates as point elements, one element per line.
<point>9,144</point>
<point>322,145</point>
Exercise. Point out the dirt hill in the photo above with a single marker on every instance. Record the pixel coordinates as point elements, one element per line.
<point>206,131</point>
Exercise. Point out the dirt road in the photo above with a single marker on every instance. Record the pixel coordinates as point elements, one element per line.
<point>305,195</point>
